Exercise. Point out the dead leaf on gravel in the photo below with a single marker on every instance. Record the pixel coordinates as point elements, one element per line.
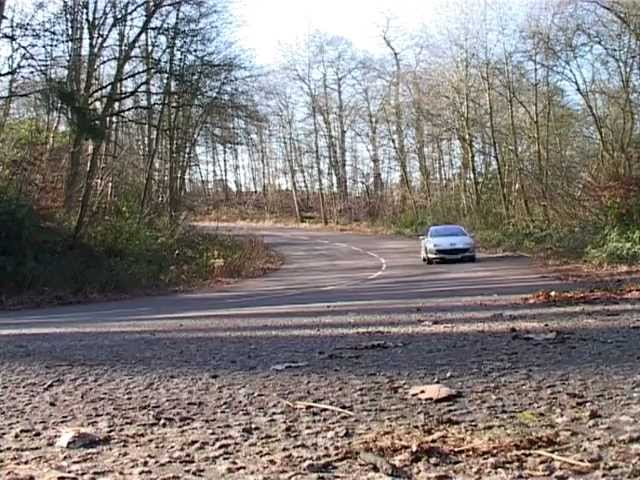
<point>436,392</point>
<point>78,438</point>
<point>596,295</point>
<point>284,366</point>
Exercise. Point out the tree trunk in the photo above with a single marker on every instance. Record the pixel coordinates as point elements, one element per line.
<point>494,144</point>
<point>401,150</point>
<point>316,150</point>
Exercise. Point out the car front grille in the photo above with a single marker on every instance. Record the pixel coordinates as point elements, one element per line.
<point>452,251</point>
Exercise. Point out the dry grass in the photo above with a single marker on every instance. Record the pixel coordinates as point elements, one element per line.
<point>454,444</point>
<point>358,227</point>
<point>252,259</point>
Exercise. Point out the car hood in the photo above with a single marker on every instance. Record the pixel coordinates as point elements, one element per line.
<point>448,241</point>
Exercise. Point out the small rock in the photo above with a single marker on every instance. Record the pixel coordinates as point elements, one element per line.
<point>493,464</point>
<point>284,366</point>
<point>593,457</point>
<point>538,337</point>
<point>77,438</point>
<point>592,413</point>
<point>381,464</point>
<point>318,467</point>
<point>630,437</point>
<point>21,432</point>
<point>372,346</point>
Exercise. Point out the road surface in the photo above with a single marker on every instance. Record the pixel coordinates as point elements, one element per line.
<point>341,272</point>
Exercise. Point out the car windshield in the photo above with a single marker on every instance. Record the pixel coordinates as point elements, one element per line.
<point>447,231</point>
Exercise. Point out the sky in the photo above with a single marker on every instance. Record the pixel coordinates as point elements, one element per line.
<point>267,24</point>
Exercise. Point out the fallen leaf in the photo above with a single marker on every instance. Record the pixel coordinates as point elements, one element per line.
<point>528,417</point>
<point>436,392</point>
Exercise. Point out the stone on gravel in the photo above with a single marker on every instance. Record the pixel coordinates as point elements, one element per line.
<point>436,392</point>
<point>382,465</point>
<point>539,337</point>
<point>284,366</point>
<point>630,437</point>
<point>78,438</point>
<point>318,467</point>
<point>373,345</point>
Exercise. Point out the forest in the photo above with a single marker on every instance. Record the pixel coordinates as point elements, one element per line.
<point>121,119</point>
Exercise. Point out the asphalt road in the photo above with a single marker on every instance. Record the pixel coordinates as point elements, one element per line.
<point>323,272</point>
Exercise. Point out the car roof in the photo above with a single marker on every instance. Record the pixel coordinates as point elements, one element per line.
<point>446,225</point>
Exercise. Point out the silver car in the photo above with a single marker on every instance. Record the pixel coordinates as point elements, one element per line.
<point>447,242</point>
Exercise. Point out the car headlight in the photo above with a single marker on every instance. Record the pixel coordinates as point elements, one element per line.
<point>432,247</point>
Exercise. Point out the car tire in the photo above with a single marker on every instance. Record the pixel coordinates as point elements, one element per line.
<point>429,261</point>
<point>472,259</point>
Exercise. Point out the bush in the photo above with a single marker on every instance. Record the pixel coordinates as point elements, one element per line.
<point>40,264</point>
<point>409,223</point>
<point>618,245</point>
<point>562,241</point>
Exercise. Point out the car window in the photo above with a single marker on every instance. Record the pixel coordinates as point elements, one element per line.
<point>447,231</point>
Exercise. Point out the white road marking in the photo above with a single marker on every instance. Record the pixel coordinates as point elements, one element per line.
<point>383,262</point>
<point>383,267</point>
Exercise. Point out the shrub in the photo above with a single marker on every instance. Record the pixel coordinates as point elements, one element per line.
<point>18,251</point>
<point>617,245</point>
<point>409,223</point>
<point>40,264</point>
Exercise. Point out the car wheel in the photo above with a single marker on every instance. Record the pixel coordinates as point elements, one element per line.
<point>472,259</point>
<point>429,261</point>
<point>424,260</point>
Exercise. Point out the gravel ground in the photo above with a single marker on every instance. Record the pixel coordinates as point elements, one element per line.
<point>201,399</point>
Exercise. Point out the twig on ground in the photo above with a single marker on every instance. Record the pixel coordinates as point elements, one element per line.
<point>533,473</point>
<point>466,448</point>
<point>322,406</point>
<point>562,459</point>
